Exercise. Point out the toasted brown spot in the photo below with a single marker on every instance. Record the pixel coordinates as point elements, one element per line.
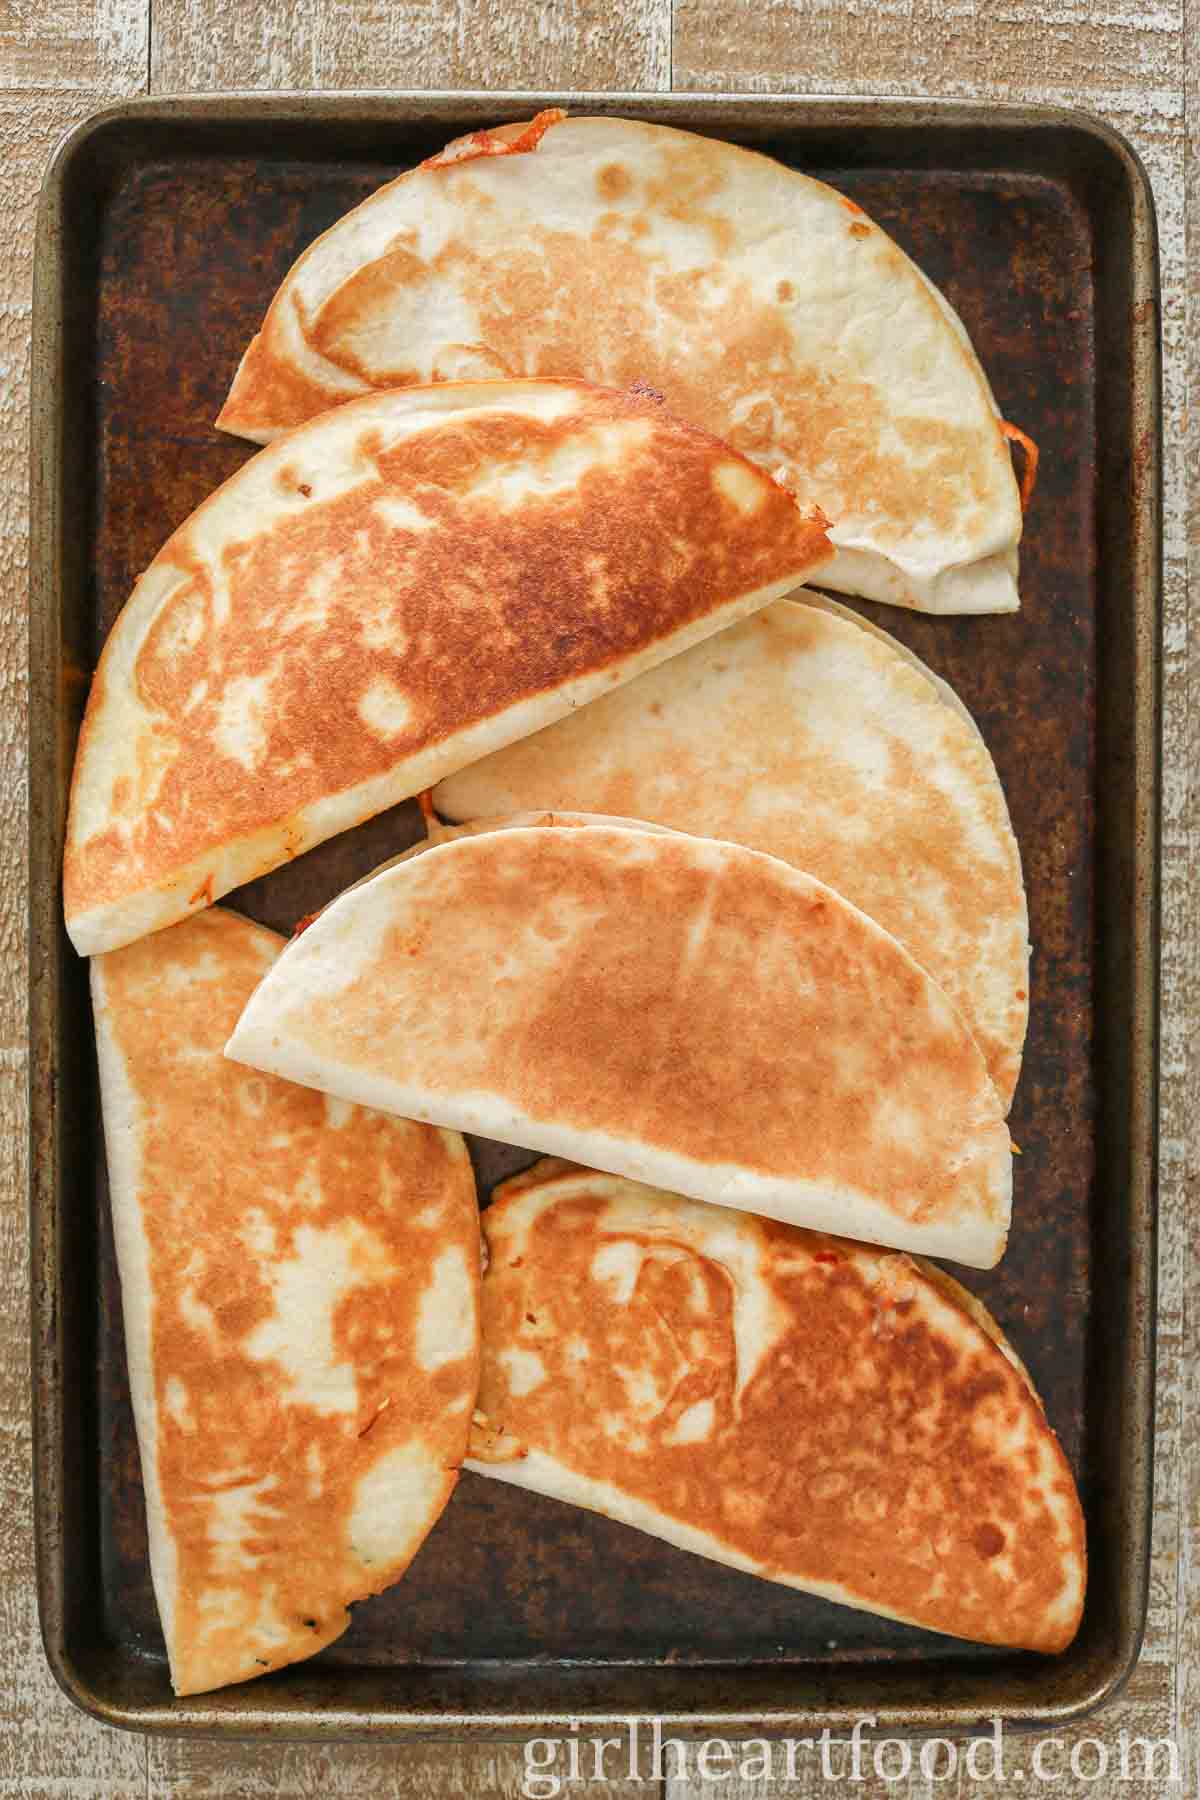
<point>613,181</point>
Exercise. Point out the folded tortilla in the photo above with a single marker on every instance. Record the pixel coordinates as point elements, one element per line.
<point>299,1280</point>
<point>840,1419</point>
<point>762,304</point>
<point>677,1010</point>
<point>808,734</point>
<point>398,588</point>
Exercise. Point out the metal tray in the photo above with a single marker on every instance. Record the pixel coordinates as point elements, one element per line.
<point>164,228</point>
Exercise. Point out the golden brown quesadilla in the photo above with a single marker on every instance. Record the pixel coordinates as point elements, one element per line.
<point>841,1419</point>
<point>677,1010</point>
<point>398,588</point>
<point>299,1279</point>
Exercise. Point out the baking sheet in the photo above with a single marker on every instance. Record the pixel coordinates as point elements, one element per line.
<point>164,232</point>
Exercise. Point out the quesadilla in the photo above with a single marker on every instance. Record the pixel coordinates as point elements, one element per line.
<point>760,303</point>
<point>807,734</point>
<point>677,1010</point>
<point>299,1280</point>
<point>844,1420</point>
<point>396,589</point>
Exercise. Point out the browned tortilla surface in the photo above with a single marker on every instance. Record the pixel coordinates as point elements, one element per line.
<point>299,1280</point>
<point>821,1413</point>
<point>394,589</point>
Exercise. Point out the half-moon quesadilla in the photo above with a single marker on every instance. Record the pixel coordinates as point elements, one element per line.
<point>841,1419</point>
<point>762,304</point>
<point>674,1009</point>
<point>807,734</point>
<point>396,589</point>
<point>299,1280</point>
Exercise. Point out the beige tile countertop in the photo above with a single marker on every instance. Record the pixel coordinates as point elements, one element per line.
<point>1136,63</point>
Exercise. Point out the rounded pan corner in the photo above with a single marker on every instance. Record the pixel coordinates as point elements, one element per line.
<point>75,141</point>
<point>1108,1687</point>
<point>70,1677</point>
<point>1114,145</point>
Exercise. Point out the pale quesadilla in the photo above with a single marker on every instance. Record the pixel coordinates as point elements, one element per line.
<point>398,588</point>
<point>299,1280</point>
<point>805,733</point>
<point>671,1008</point>
<point>841,1419</point>
<point>762,304</point>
